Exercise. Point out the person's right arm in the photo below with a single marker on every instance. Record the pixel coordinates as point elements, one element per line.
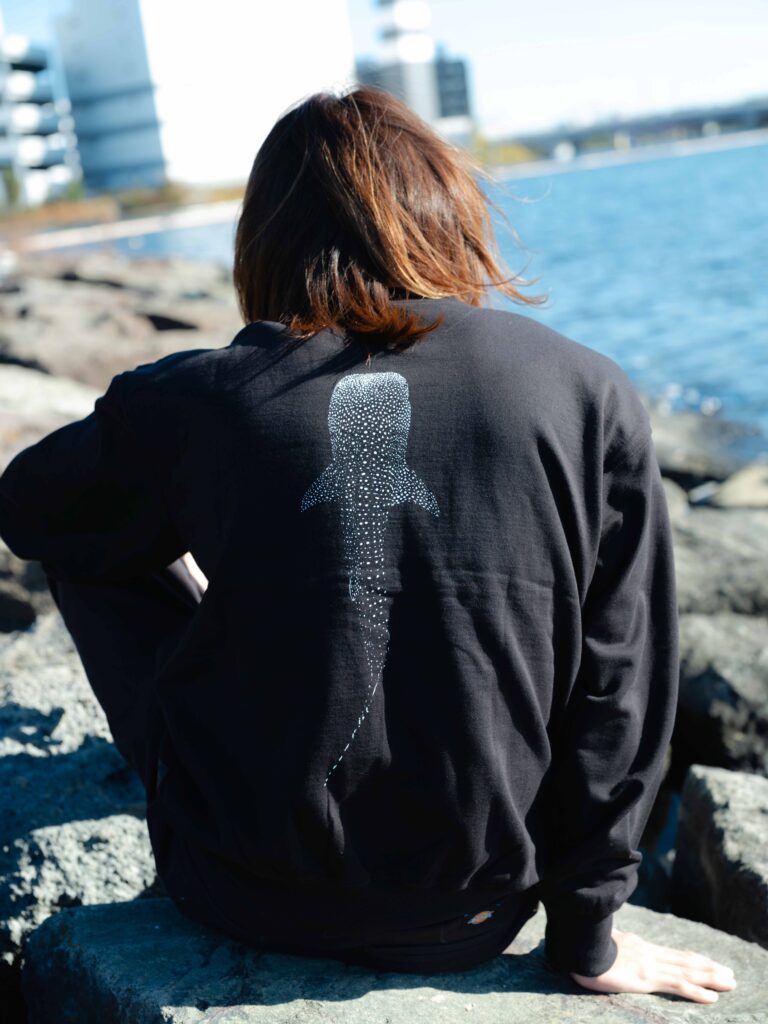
<point>609,754</point>
<point>609,758</point>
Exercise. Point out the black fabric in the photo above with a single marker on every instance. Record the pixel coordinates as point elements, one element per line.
<point>455,944</point>
<point>118,629</point>
<point>436,664</point>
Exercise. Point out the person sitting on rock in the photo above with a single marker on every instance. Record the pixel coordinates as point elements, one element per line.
<point>379,597</point>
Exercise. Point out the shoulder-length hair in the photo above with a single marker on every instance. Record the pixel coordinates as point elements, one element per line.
<point>354,200</point>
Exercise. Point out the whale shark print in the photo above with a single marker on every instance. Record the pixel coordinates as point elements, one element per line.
<point>369,418</point>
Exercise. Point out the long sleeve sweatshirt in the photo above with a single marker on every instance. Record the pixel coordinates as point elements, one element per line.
<point>437,658</point>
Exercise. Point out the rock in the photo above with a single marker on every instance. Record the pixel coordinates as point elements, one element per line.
<point>677,498</point>
<point>693,448</point>
<point>9,266</point>
<point>72,810</point>
<point>88,317</point>
<point>71,864</point>
<point>115,271</point>
<point>41,674</point>
<point>142,962</point>
<point>65,347</point>
<point>747,488</point>
<point>720,873</point>
<point>720,560</point>
<point>29,392</point>
<point>32,404</point>
<point>202,314</point>
<point>16,610</point>
<point>722,716</point>
<point>24,591</point>
<point>73,830</point>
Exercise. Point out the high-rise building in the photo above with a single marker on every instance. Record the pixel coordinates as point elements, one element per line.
<point>38,155</point>
<point>412,67</point>
<point>452,87</point>
<point>184,92</point>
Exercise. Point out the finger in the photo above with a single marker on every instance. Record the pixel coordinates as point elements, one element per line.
<point>687,958</point>
<point>688,990</point>
<point>705,976</point>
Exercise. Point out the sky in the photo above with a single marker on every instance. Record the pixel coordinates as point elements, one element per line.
<point>536,65</point>
<point>539,64</point>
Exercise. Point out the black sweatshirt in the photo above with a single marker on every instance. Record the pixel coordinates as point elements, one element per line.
<point>437,659</point>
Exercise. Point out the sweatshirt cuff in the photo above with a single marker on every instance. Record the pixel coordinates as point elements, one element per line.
<point>580,945</point>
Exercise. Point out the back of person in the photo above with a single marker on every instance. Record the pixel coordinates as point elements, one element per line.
<point>433,675</point>
<point>398,552</point>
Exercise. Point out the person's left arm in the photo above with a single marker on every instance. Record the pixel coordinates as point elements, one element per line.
<point>85,500</point>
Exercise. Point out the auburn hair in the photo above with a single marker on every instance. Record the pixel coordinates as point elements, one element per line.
<point>354,200</point>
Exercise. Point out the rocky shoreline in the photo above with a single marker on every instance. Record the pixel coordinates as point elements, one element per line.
<point>73,832</point>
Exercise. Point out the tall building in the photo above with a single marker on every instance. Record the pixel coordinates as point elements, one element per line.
<point>38,154</point>
<point>412,67</point>
<point>112,92</point>
<point>187,92</point>
<point>452,86</point>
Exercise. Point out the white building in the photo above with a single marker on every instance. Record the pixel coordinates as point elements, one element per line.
<point>187,92</point>
<point>412,67</point>
<point>38,156</point>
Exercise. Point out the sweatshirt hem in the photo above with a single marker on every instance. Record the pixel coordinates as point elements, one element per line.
<point>329,911</point>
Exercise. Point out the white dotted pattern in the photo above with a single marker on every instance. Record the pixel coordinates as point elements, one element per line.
<point>369,417</point>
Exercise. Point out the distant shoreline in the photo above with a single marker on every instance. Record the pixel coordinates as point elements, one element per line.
<point>186,217</point>
<point>636,154</point>
<point>226,210</point>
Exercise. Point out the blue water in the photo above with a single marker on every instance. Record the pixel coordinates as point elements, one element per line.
<point>662,265</point>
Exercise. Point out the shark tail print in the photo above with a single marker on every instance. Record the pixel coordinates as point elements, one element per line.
<point>369,417</point>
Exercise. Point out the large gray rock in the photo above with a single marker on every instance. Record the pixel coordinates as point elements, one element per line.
<point>145,963</point>
<point>89,316</point>
<point>677,498</point>
<point>720,873</point>
<point>32,404</point>
<point>48,705</point>
<point>693,449</point>
<point>71,864</point>
<point>747,488</point>
<point>722,714</point>
<point>65,347</point>
<point>24,591</point>
<point>72,825</point>
<point>29,392</point>
<point>144,277</point>
<point>720,560</point>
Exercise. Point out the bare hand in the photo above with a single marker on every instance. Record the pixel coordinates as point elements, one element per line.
<point>643,966</point>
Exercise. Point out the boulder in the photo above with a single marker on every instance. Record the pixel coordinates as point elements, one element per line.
<point>746,488</point>
<point>720,560</point>
<point>693,449</point>
<point>72,810</point>
<point>69,864</point>
<point>33,403</point>
<point>722,714</point>
<point>47,704</point>
<point>677,498</point>
<point>24,591</point>
<point>88,317</point>
<point>142,962</point>
<point>91,346</point>
<point>720,874</point>
<point>114,271</point>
